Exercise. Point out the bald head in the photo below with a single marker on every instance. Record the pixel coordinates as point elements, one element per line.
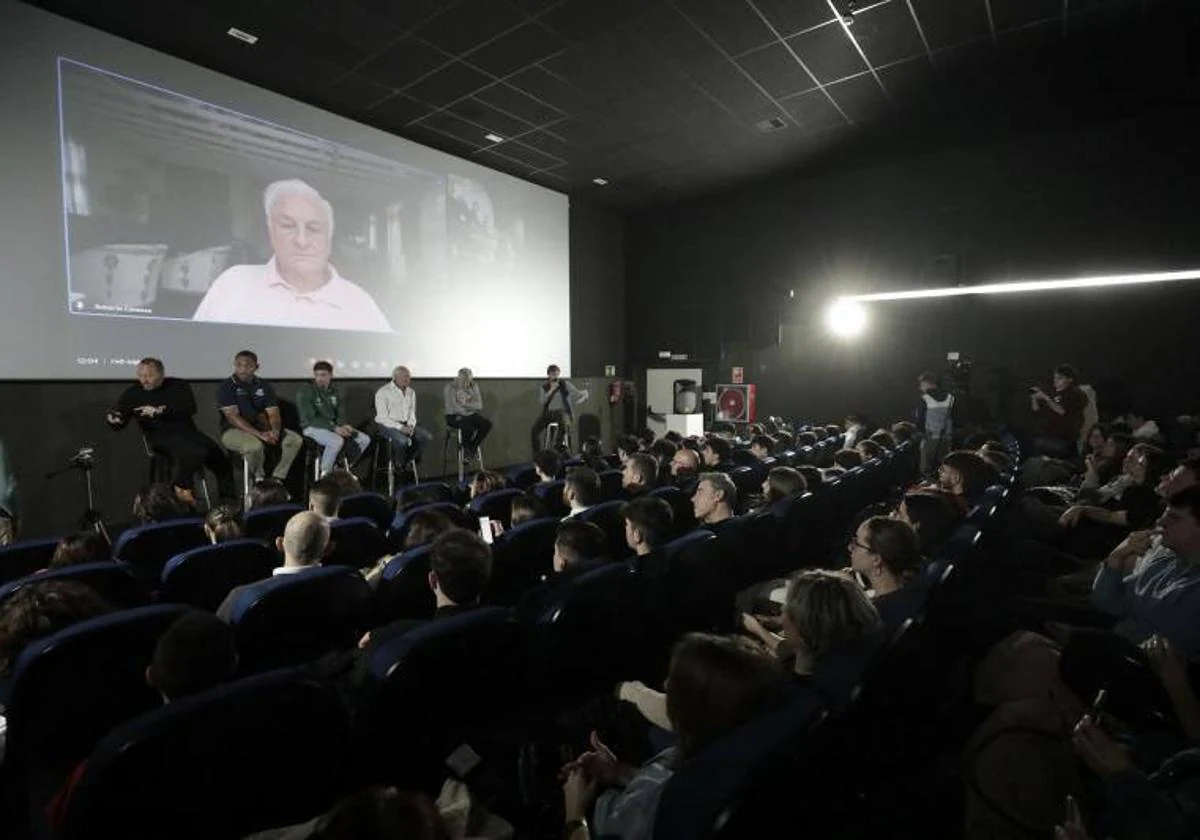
<point>305,539</point>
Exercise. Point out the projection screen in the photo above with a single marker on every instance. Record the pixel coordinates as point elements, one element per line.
<point>149,207</point>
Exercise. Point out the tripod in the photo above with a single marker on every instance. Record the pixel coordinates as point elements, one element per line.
<point>91,520</point>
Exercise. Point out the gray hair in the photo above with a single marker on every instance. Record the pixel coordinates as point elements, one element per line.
<point>724,484</point>
<point>294,186</point>
<point>305,538</point>
<point>396,370</point>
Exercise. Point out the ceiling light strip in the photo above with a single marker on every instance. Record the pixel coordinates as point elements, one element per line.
<point>1034,286</point>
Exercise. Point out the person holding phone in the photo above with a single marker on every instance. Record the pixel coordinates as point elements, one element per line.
<point>1062,413</point>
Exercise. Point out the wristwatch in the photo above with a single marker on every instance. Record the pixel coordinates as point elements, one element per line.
<point>574,825</point>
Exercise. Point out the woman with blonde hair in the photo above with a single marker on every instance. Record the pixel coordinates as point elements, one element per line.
<point>464,411</point>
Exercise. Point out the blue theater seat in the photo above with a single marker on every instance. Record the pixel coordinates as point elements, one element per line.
<point>373,506</point>
<point>114,581</point>
<point>267,523</point>
<point>607,517</point>
<point>25,557</point>
<point>520,557</point>
<point>203,576</point>
<point>496,505</point>
<point>147,548</point>
<point>356,543</point>
<point>403,589</point>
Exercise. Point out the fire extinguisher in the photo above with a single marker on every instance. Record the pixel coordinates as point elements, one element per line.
<point>616,391</point>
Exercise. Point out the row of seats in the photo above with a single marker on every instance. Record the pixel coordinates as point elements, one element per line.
<point>614,623</point>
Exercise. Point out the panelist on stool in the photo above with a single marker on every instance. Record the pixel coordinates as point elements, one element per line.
<point>323,421</point>
<point>251,422</point>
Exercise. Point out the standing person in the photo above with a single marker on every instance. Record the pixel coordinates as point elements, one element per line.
<point>323,418</point>
<point>1063,413</point>
<point>163,407</point>
<point>464,407</point>
<point>935,419</point>
<point>250,419</point>
<point>396,418</point>
<point>557,398</point>
<point>8,499</point>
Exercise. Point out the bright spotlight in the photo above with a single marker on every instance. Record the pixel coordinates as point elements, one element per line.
<point>846,318</point>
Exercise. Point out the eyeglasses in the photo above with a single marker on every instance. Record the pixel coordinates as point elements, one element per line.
<point>854,543</point>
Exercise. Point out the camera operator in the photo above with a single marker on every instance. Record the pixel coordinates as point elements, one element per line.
<point>935,419</point>
<point>1063,415</point>
<point>163,407</point>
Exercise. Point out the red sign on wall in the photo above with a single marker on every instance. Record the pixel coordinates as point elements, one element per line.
<point>739,375</point>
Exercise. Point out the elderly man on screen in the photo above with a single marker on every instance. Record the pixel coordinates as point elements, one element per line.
<point>298,287</point>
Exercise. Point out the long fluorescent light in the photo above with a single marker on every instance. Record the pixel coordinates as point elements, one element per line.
<point>1034,286</point>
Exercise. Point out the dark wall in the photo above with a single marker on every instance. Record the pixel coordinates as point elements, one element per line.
<point>1103,198</point>
<point>46,422</point>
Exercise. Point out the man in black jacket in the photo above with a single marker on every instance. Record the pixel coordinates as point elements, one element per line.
<point>579,547</point>
<point>163,407</point>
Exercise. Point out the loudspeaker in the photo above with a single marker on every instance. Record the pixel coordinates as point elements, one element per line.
<point>735,403</point>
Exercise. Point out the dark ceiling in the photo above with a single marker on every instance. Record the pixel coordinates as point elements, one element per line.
<point>671,98</point>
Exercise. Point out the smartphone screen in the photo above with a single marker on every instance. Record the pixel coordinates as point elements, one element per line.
<point>485,529</point>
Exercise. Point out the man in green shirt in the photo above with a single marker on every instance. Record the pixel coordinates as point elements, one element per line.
<point>323,418</point>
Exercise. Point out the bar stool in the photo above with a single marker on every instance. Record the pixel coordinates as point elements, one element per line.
<point>160,469</point>
<point>313,453</point>
<point>557,435</point>
<point>384,445</point>
<point>462,455</point>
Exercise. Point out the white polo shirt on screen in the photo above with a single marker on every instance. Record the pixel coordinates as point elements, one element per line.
<point>257,294</point>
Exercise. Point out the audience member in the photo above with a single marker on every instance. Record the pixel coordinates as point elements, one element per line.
<point>223,523</point>
<point>1143,429</point>
<point>485,481</point>
<point>195,653</point>
<point>715,498</point>
<point>806,439</point>
<point>783,440</point>
<point>869,449</point>
<point>547,465</point>
<point>267,492</point>
<point>581,490</point>
<point>83,547</point>
<point>626,446</point>
<point>639,475</point>
<point>903,432</point>
<point>324,498</point>
<point>648,524</point>
<point>646,438</point>
<point>158,503</point>
<point>813,477</point>
<point>9,510</point>
<point>716,453</point>
<point>830,473</point>
<point>1104,473</point>
<point>932,516</point>
<point>1161,593</point>
<point>346,481</point>
<point>685,470</point>
<point>378,812</point>
<point>714,684</point>
<point>762,447</point>
<point>856,430</point>
<point>964,475</point>
<point>1062,415</point>
<point>579,547</point>
<point>424,526</point>
<point>884,439</point>
<point>525,508</point>
<point>674,437</point>
<point>304,544</point>
<point>38,610</point>
<point>782,483</point>
<point>886,552</point>
<point>591,453</point>
<point>460,566</point>
<point>998,461</point>
<point>935,421</point>
<point>847,459</point>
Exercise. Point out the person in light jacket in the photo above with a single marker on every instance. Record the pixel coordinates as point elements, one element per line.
<point>396,418</point>
<point>464,411</point>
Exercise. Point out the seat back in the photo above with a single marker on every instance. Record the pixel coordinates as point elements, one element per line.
<point>707,792</point>
<point>450,682</point>
<point>147,548</point>
<point>69,689</point>
<point>423,493</point>
<point>114,581</point>
<point>267,523</point>
<point>748,481</point>
<point>403,590</point>
<point>589,636</point>
<point>373,506</point>
<point>684,515</point>
<point>607,516</point>
<point>550,493</point>
<point>496,505</point>
<point>520,557</point>
<point>522,476</point>
<point>25,557</point>
<point>610,484</point>
<point>203,576</point>
<point>295,618</point>
<point>357,543</point>
<point>696,590</point>
<point>256,754</point>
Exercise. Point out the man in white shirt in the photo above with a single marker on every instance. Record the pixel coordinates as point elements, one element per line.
<point>298,287</point>
<point>304,544</point>
<point>396,418</point>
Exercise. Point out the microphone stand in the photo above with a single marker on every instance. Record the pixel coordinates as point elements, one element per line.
<point>91,520</point>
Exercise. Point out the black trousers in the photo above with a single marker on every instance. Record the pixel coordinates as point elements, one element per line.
<point>189,451</point>
<point>539,427</point>
<point>474,427</point>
